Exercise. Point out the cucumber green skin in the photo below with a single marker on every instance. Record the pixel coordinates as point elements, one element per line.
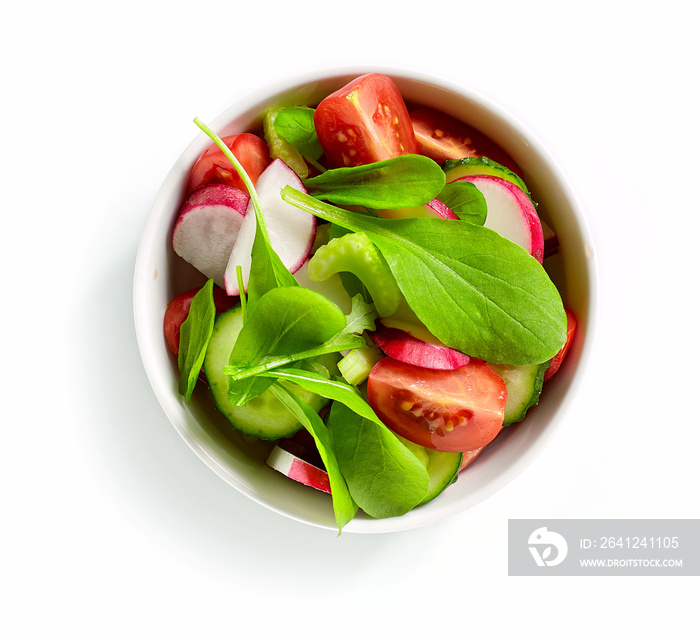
<point>524,384</point>
<point>442,466</point>
<point>443,469</point>
<point>480,165</point>
<point>263,416</point>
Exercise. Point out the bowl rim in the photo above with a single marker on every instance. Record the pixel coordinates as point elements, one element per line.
<point>172,407</point>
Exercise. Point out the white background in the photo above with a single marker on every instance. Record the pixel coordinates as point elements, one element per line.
<point>111,524</point>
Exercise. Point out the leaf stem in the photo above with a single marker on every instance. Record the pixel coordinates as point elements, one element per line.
<point>349,342</point>
<point>316,164</point>
<point>244,299</point>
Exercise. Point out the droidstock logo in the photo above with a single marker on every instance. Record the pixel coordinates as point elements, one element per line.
<point>541,545</point>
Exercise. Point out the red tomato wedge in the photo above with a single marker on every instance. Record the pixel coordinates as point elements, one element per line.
<point>470,456</point>
<point>556,362</point>
<point>213,167</point>
<point>363,122</point>
<point>179,308</point>
<point>441,137</point>
<point>448,410</point>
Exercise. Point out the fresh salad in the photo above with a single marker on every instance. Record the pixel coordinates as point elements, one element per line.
<point>376,306</point>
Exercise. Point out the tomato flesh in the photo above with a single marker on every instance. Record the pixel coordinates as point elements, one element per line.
<point>556,362</point>
<point>363,122</point>
<point>447,410</point>
<point>212,167</point>
<point>179,308</point>
<point>441,137</point>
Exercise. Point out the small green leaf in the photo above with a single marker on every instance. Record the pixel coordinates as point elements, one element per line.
<point>195,333</point>
<point>362,316</point>
<point>266,270</point>
<point>284,321</point>
<point>465,200</point>
<point>296,125</point>
<point>405,181</point>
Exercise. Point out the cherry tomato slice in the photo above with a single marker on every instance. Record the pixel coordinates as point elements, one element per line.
<point>179,308</point>
<point>212,167</point>
<point>556,362</point>
<point>448,410</point>
<point>441,137</point>
<point>363,122</point>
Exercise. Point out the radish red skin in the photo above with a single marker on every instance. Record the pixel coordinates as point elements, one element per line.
<point>402,346</point>
<point>299,470</point>
<point>207,226</point>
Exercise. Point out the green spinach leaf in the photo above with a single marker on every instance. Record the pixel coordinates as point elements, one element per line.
<point>296,125</point>
<point>465,200</point>
<point>383,476</point>
<point>344,507</point>
<point>195,333</point>
<point>473,289</point>
<point>405,181</point>
<point>284,321</point>
<point>362,317</point>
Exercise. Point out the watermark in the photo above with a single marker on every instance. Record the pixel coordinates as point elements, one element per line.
<point>604,547</point>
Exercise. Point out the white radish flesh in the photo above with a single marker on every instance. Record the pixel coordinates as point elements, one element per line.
<point>298,469</point>
<point>290,229</point>
<point>510,213</point>
<point>207,227</point>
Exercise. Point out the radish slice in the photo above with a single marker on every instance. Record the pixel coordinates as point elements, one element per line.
<point>298,469</point>
<point>511,213</point>
<point>207,227</point>
<point>291,230</point>
<point>402,346</point>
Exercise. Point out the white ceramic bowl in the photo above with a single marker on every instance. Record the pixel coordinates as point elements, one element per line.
<point>160,275</point>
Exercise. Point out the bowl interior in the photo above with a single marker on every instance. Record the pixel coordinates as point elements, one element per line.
<point>160,275</point>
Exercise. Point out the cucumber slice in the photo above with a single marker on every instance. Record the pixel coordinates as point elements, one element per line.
<point>478,165</point>
<point>443,467</point>
<point>263,416</point>
<point>524,385</point>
